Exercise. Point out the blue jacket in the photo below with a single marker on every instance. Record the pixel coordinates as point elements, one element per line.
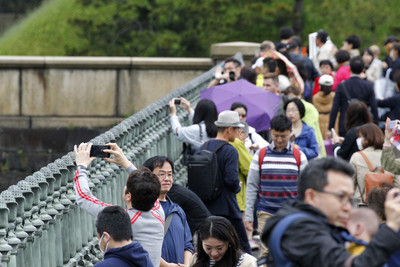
<point>126,256</point>
<point>307,142</point>
<point>178,237</point>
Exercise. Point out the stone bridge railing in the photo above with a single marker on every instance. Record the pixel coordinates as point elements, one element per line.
<point>40,222</point>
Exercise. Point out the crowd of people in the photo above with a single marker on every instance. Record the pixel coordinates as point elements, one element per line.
<point>320,187</point>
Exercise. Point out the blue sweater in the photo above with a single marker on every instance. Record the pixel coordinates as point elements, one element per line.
<point>126,256</point>
<point>178,237</point>
<point>307,142</point>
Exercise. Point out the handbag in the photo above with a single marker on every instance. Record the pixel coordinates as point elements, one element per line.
<point>373,179</point>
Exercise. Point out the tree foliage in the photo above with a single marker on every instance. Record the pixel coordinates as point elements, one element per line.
<point>188,27</point>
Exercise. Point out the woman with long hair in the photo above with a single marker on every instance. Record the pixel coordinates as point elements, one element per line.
<point>203,118</point>
<point>218,246</point>
<point>357,114</point>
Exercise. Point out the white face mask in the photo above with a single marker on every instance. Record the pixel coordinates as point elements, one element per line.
<point>359,143</point>
<point>101,238</point>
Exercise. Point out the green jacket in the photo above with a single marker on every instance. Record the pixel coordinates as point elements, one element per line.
<point>389,161</point>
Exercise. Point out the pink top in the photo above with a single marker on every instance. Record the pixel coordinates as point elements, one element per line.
<point>342,74</point>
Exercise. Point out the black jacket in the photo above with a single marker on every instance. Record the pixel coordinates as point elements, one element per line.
<point>310,242</point>
<point>349,145</point>
<point>394,104</point>
<point>357,88</point>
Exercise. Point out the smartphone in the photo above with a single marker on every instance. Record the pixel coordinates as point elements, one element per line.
<point>392,124</point>
<point>97,151</point>
<point>333,131</point>
<point>177,101</point>
<point>362,205</point>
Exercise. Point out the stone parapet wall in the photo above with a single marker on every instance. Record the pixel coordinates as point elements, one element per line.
<point>69,91</point>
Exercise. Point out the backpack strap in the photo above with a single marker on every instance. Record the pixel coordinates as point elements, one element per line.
<point>276,238</point>
<point>261,156</point>
<point>297,156</point>
<point>200,133</point>
<point>367,161</point>
<point>346,93</point>
<point>168,222</point>
<point>218,147</point>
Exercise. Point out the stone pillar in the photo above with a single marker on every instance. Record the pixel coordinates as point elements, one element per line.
<point>221,51</point>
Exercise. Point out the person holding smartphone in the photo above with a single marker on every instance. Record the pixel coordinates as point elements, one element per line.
<point>388,159</point>
<point>203,117</point>
<point>228,72</point>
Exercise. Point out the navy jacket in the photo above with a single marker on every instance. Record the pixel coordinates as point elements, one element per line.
<point>126,256</point>
<point>178,237</point>
<point>226,204</point>
<point>357,88</point>
<point>307,142</point>
<point>394,104</point>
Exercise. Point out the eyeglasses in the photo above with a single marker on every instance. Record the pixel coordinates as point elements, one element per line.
<point>292,110</point>
<point>242,115</point>
<point>343,197</point>
<point>163,175</point>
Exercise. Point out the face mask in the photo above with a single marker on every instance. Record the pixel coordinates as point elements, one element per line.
<point>101,238</point>
<point>359,143</point>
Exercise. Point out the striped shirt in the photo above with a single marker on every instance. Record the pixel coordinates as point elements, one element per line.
<point>276,182</point>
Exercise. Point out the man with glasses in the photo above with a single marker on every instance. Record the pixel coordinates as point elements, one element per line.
<point>228,72</point>
<point>177,246</point>
<point>325,192</point>
<point>272,178</point>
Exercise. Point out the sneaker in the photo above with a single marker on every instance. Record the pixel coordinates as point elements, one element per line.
<point>256,235</point>
<point>254,245</point>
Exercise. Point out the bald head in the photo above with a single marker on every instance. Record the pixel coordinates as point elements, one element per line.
<point>363,223</point>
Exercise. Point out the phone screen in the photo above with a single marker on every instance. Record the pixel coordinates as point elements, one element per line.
<point>97,151</point>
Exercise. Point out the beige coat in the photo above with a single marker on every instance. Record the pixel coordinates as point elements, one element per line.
<point>361,168</point>
<point>324,106</point>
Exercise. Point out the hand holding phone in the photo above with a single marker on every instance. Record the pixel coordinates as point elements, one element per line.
<point>177,101</point>
<point>392,124</point>
<point>97,151</point>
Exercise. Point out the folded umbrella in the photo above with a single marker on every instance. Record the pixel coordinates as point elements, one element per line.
<point>262,105</point>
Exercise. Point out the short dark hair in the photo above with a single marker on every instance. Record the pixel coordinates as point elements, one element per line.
<point>115,221</point>
<point>234,60</point>
<point>281,123</point>
<point>299,105</point>
<point>322,36</point>
<point>342,56</point>
<point>376,199</point>
<point>354,40</point>
<point>286,32</point>
<point>249,74</point>
<point>372,134</point>
<point>326,62</point>
<point>270,64</point>
<point>222,229</point>
<point>356,65</point>
<point>236,105</point>
<point>144,187</point>
<point>272,76</point>
<point>315,174</point>
<point>357,114</point>
<point>157,162</point>
<point>292,89</point>
<point>397,48</point>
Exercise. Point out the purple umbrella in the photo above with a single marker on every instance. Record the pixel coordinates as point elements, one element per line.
<point>262,105</point>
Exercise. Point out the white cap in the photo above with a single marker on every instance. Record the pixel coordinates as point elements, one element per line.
<point>259,63</point>
<point>325,80</point>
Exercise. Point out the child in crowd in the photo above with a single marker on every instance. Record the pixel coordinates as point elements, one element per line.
<point>326,68</point>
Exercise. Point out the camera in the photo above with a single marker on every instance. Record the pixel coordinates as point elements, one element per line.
<point>97,151</point>
<point>231,76</point>
<point>177,101</point>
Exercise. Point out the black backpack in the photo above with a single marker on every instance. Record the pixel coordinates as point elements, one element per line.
<point>203,173</point>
